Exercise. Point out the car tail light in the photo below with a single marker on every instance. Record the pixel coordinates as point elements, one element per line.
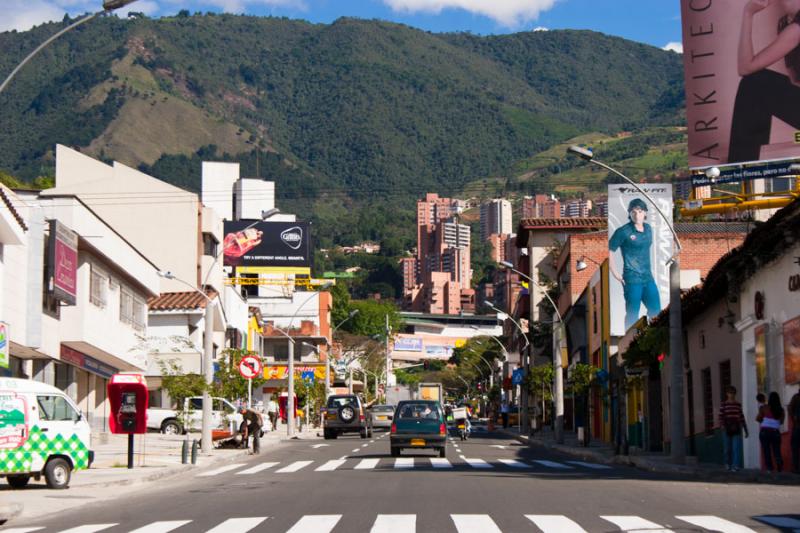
<point>442,429</point>
<point>394,428</point>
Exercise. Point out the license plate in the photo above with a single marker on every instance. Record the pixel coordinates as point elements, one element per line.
<point>418,442</point>
<point>381,418</point>
<point>331,417</point>
<point>461,426</point>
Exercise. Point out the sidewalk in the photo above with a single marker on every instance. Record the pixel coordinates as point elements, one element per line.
<point>156,457</point>
<point>602,452</point>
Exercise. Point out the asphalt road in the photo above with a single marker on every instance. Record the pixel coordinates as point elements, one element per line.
<point>487,484</point>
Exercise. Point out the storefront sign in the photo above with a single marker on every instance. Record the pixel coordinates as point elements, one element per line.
<point>791,350</point>
<point>408,344</point>
<point>4,344</point>
<point>63,261</point>
<point>90,364</point>
<point>282,371</point>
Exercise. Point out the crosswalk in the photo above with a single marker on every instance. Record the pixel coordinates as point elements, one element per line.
<point>402,463</point>
<point>461,523</point>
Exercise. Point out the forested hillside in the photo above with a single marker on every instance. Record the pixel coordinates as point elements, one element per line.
<point>347,118</point>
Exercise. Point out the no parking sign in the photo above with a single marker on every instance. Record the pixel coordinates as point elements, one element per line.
<point>249,367</point>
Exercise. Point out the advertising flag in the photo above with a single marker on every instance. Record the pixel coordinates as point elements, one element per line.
<point>741,68</point>
<point>639,246</point>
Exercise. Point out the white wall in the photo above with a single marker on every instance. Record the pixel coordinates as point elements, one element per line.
<point>252,197</point>
<point>217,187</point>
<point>780,306</point>
<point>157,218</point>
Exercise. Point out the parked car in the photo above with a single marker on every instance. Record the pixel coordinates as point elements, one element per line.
<point>345,413</point>
<point>43,433</point>
<point>381,416</point>
<point>171,421</point>
<point>418,424</point>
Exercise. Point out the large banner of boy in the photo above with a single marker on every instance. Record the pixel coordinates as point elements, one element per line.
<point>639,246</point>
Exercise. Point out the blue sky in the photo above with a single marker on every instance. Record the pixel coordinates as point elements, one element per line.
<point>656,22</point>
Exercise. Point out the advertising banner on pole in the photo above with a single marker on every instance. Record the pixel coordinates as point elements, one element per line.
<point>267,244</point>
<point>741,69</point>
<point>63,262</point>
<point>639,246</point>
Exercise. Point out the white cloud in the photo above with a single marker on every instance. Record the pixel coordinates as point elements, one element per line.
<point>22,15</point>
<point>148,7</point>
<point>541,28</point>
<point>509,13</point>
<point>674,47</point>
<point>237,6</point>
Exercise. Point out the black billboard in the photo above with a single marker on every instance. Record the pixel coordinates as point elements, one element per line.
<point>267,244</point>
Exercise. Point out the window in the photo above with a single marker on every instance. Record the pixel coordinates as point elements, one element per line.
<point>724,377</point>
<point>154,398</point>
<point>139,314</point>
<point>125,306</point>
<point>50,305</point>
<point>98,287</point>
<point>210,245</point>
<point>708,402</point>
<point>594,310</point>
<point>702,340</point>
<point>56,409</point>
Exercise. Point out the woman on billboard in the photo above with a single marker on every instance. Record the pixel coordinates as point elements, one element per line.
<point>765,93</point>
<point>635,241</point>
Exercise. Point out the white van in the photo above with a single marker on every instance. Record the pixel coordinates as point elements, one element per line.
<point>42,432</point>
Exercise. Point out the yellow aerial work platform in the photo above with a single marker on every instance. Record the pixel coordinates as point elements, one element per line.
<point>731,202</point>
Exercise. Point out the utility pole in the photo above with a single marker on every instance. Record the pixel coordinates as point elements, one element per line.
<point>388,356</point>
<point>290,412</point>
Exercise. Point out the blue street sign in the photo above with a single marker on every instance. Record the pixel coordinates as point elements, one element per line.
<point>309,375</point>
<point>517,375</point>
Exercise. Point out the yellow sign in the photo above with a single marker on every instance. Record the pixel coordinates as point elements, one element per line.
<point>273,270</point>
<point>797,137</point>
<point>282,371</point>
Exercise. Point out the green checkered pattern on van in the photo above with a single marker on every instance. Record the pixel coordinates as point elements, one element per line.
<point>39,443</point>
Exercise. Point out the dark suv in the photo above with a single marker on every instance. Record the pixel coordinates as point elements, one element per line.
<point>345,413</point>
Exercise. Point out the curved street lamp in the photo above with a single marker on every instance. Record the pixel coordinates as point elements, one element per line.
<point>108,6</point>
<point>677,449</point>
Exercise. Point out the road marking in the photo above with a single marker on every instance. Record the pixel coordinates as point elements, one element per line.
<point>89,528</point>
<point>440,462</point>
<point>513,463</point>
<point>330,465</point>
<point>364,445</point>
<point>294,467</point>
<point>322,523</point>
<point>554,523</point>
<point>22,529</point>
<point>256,469</point>
<point>477,463</point>
<point>356,450</point>
<point>635,524</point>
<point>161,527</point>
<point>315,446</point>
<point>474,523</point>
<point>404,462</point>
<point>220,470</point>
<point>551,464</point>
<point>590,465</point>
<point>371,442</point>
<point>713,523</point>
<point>367,464</point>
<point>395,523</point>
<point>238,525</point>
<point>498,446</point>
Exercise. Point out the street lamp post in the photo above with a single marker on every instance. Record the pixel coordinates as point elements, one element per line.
<point>523,407</point>
<point>206,441</point>
<point>558,369</point>
<point>677,449</point>
<point>108,6</point>
<point>353,313</point>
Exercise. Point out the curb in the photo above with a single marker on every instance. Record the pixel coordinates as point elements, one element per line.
<point>9,511</point>
<point>643,463</point>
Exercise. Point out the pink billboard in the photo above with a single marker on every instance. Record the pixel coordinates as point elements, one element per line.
<point>63,258</point>
<point>742,69</point>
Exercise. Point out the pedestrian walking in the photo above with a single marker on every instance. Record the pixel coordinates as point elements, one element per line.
<point>731,419</point>
<point>770,418</point>
<point>253,422</point>
<point>794,416</point>
<point>504,413</point>
<point>272,413</point>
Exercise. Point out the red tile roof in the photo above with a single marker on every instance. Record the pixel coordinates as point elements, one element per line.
<point>12,209</point>
<point>174,301</point>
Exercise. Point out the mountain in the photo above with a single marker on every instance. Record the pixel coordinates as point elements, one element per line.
<point>348,118</point>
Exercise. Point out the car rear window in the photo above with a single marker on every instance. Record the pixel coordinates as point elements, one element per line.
<point>340,401</point>
<point>419,410</point>
<point>383,408</point>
